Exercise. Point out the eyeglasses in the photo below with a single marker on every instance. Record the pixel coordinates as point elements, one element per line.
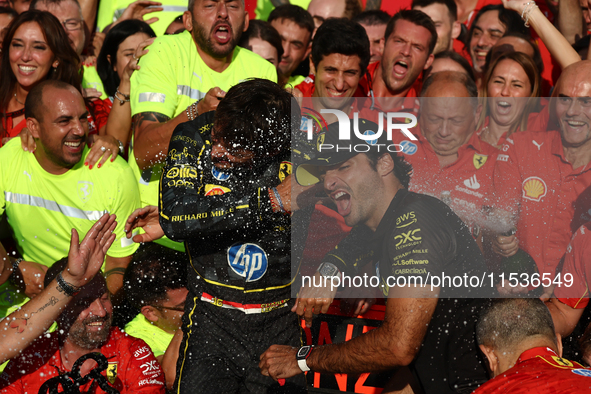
<point>73,24</point>
<point>171,308</point>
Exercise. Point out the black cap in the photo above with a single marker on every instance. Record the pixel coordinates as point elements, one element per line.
<point>331,150</point>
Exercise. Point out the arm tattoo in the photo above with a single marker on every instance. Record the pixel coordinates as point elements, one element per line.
<point>142,117</point>
<point>20,324</point>
<point>373,5</point>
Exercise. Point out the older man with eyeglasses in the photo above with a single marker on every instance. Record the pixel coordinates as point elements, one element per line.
<point>69,13</point>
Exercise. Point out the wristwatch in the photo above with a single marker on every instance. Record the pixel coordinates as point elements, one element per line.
<point>328,270</point>
<point>121,147</point>
<point>303,353</point>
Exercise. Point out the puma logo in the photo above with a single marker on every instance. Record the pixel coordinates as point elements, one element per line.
<point>536,144</point>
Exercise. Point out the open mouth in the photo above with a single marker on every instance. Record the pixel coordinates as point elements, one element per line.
<point>575,125</point>
<point>222,34</point>
<point>336,93</point>
<point>503,107</point>
<point>400,68</point>
<point>74,146</point>
<point>26,69</point>
<point>343,202</point>
<point>96,324</point>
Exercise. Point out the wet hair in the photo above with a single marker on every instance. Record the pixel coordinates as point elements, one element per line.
<point>119,33</point>
<point>57,41</point>
<point>453,77</point>
<point>452,8</point>
<point>535,81</point>
<point>372,18</point>
<point>510,19</point>
<point>456,57</point>
<point>264,31</point>
<point>507,322</point>
<point>402,168</point>
<point>257,115</point>
<point>293,13</point>
<point>418,18</point>
<point>340,35</point>
<point>34,102</point>
<point>153,271</point>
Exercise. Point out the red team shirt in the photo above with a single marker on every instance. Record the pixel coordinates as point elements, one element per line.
<point>468,179</point>
<point>540,370</point>
<point>533,180</point>
<point>132,366</point>
<point>577,262</point>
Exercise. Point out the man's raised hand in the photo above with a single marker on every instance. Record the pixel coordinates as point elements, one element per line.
<point>86,259</point>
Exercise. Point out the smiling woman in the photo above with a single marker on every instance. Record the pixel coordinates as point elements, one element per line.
<point>511,89</point>
<point>37,49</point>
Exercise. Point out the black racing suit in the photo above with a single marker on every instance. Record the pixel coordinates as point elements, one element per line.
<point>239,280</point>
<point>418,237</point>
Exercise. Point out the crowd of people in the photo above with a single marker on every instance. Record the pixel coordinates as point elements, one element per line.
<point>198,151</point>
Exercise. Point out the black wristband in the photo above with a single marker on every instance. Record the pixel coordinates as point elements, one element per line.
<point>65,287</point>
<point>15,268</point>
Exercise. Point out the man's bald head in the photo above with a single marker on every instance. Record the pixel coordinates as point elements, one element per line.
<point>449,84</point>
<point>34,104</point>
<point>575,80</point>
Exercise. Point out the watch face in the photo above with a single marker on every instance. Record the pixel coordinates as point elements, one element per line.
<point>328,270</point>
<point>303,351</point>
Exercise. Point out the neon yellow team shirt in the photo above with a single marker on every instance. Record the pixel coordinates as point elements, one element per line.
<point>42,208</point>
<point>264,7</point>
<point>91,79</point>
<point>110,10</point>
<point>155,337</point>
<point>172,77</point>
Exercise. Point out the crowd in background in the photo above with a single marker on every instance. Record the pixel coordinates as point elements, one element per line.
<point>511,157</point>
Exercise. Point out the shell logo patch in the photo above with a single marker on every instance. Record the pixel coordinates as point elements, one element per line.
<point>215,190</point>
<point>112,371</point>
<point>284,170</point>
<point>479,160</point>
<point>534,188</point>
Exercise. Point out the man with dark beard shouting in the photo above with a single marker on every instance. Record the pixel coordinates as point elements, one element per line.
<point>186,75</point>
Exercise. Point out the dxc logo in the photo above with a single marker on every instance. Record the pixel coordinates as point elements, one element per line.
<point>408,237</point>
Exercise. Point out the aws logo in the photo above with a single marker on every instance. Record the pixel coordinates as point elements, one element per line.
<point>408,237</point>
<point>248,260</point>
<point>406,220</point>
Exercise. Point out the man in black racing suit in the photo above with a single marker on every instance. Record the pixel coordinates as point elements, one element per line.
<point>218,195</point>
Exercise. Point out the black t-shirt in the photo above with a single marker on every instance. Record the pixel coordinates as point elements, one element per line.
<point>421,237</point>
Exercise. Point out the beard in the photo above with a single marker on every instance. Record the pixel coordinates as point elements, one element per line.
<point>85,339</point>
<point>206,43</point>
